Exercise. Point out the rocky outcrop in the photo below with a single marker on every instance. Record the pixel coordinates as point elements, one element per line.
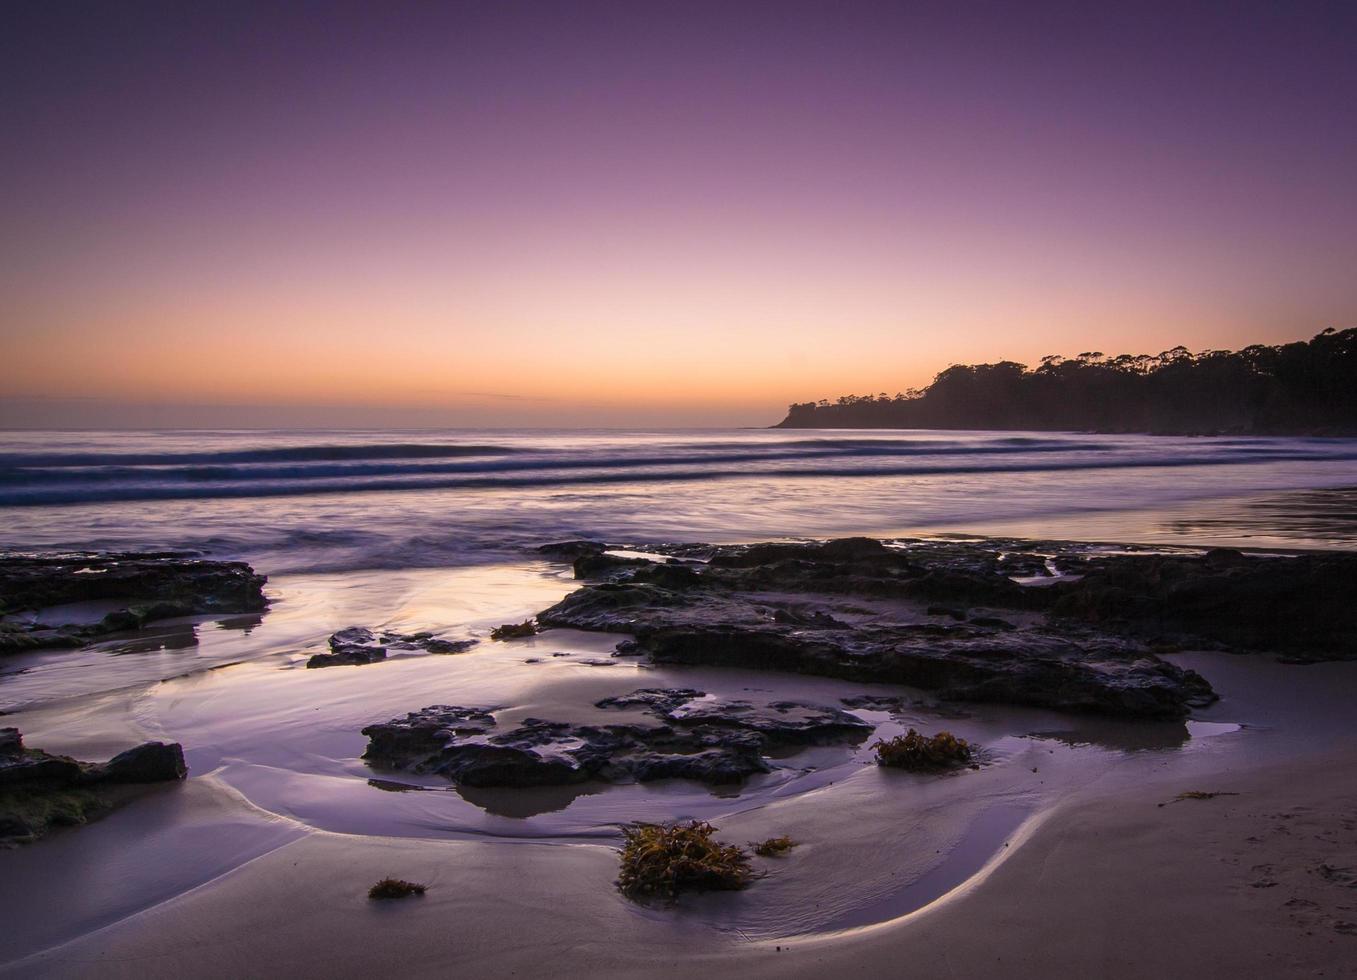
<point>39,790</point>
<point>686,735</point>
<point>1303,607</point>
<point>356,645</point>
<point>150,762</point>
<point>920,615</point>
<point>145,586</point>
<point>570,550</point>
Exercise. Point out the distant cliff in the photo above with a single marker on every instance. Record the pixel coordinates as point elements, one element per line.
<point>1304,388</point>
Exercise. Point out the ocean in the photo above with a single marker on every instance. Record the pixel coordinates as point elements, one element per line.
<point>336,500</point>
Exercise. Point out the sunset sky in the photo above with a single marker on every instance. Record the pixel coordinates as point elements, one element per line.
<point>639,213</point>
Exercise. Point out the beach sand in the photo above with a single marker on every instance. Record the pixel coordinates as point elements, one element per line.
<point>1258,884</point>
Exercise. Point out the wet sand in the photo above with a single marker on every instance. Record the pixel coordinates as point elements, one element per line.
<point>1258,884</point>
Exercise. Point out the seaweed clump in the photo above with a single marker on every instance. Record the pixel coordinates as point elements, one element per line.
<point>922,753</point>
<point>774,846</point>
<point>660,860</point>
<point>26,812</point>
<point>395,888</point>
<point>514,631</point>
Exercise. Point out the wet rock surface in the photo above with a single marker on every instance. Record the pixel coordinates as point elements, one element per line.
<point>1303,607</point>
<point>1079,632</point>
<point>143,587</point>
<point>683,734</point>
<point>357,645</point>
<point>39,790</point>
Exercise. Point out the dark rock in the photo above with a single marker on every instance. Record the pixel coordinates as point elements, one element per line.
<point>404,743</point>
<point>1015,668</point>
<point>36,766</point>
<point>1303,606</point>
<point>570,550</point>
<point>351,647</point>
<point>993,622</point>
<point>601,565</point>
<point>448,646</point>
<point>703,739</point>
<point>722,619</point>
<point>668,576</point>
<point>1224,558</point>
<point>153,762</point>
<point>951,612</point>
<point>609,607</point>
<point>352,636</point>
<point>347,657</point>
<point>1087,644</point>
<point>853,548</point>
<point>876,702</point>
<point>813,619</point>
<point>39,790</point>
<point>425,641</point>
<point>150,586</point>
<point>656,699</point>
<point>841,550</point>
<point>356,646</point>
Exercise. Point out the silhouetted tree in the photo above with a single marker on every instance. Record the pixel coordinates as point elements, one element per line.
<point>1303,387</point>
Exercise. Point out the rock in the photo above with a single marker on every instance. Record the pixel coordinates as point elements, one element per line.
<point>708,740</point>
<point>448,646</point>
<point>352,636</point>
<point>153,762</point>
<point>356,646</point>
<point>351,647</point>
<point>840,550</point>
<point>570,550</point>
<point>1013,668</point>
<point>404,743</point>
<point>814,619</point>
<point>876,702</point>
<point>655,699</point>
<point>609,607</point>
<point>853,548</point>
<point>1304,606</point>
<point>668,576</point>
<point>347,657</point>
<point>952,612</point>
<point>35,766</point>
<point>39,790</point>
<point>150,586</point>
<point>993,622</point>
<point>722,619</point>
<point>600,565</point>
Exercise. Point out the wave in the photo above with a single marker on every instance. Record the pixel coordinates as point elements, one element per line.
<point>566,475</point>
<point>33,475</point>
<point>261,455</point>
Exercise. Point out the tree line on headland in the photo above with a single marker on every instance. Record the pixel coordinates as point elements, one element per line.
<point>1302,388</point>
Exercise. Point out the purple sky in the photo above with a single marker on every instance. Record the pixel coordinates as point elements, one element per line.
<point>642,213</point>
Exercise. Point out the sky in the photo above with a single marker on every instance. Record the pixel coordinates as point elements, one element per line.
<point>646,213</point>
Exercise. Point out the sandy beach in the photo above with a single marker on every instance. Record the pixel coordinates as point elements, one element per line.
<point>1129,884</point>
